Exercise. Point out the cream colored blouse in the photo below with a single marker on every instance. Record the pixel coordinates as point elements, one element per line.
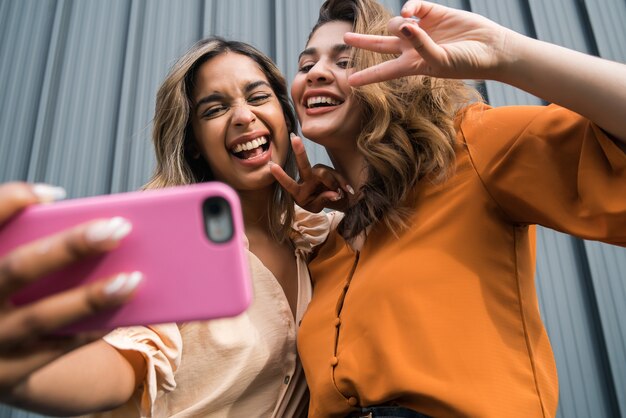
<point>246,366</point>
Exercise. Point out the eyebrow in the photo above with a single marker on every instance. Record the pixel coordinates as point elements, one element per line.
<point>218,96</point>
<point>335,50</point>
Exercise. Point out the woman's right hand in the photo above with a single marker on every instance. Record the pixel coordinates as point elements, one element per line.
<point>26,343</point>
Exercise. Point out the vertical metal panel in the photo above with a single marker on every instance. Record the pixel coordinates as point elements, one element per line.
<point>78,80</point>
<point>563,22</point>
<point>8,412</point>
<point>607,19</point>
<point>76,138</point>
<point>160,31</point>
<point>569,314</point>
<point>513,15</point>
<point>247,21</point>
<point>21,78</point>
<point>607,265</point>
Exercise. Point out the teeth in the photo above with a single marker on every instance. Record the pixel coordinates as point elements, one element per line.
<point>250,145</point>
<point>321,99</point>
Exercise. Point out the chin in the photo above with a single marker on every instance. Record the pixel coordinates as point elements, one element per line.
<point>316,133</point>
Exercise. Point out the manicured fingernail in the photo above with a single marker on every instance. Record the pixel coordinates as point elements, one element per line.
<point>292,135</point>
<point>271,163</point>
<point>339,196</point>
<point>406,32</point>
<point>124,283</point>
<point>114,229</point>
<point>48,193</point>
<point>350,189</point>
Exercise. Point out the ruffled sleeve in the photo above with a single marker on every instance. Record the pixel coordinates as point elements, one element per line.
<point>161,347</point>
<point>311,229</point>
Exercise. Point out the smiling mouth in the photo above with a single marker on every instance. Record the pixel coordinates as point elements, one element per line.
<point>322,101</point>
<point>251,149</point>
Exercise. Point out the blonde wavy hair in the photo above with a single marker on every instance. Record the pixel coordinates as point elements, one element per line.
<point>408,131</point>
<point>173,136</point>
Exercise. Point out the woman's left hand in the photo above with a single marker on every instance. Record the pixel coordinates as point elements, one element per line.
<point>444,42</point>
<point>319,187</point>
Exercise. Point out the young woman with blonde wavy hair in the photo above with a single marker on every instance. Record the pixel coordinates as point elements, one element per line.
<point>222,113</point>
<point>424,301</point>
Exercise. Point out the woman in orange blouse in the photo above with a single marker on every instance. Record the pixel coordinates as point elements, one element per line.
<point>424,299</point>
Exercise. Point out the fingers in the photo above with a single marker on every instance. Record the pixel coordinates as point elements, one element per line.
<point>36,259</point>
<point>375,43</point>
<point>32,321</point>
<point>16,196</point>
<point>302,160</point>
<point>417,8</point>
<point>384,71</point>
<point>286,182</point>
<point>332,180</point>
<point>428,49</point>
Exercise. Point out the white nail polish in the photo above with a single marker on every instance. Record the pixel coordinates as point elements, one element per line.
<point>292,135</point>
<point>350,189</point>
<point>135,278</point>
<point>48,193</point>
<point>115,285</point>
<point>124,283</point>
<point>123,229</point>
<point>114,228</point>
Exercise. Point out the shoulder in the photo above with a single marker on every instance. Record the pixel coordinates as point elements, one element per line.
<point>310,230</point>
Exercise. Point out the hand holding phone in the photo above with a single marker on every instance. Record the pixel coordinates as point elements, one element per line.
<point>186,241</point>
<point>25,343</point>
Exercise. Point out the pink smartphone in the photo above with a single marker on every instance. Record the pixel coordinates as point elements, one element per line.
<point>188,241</point>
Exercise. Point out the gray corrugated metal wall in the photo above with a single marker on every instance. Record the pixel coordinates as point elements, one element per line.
<point>77,85</point>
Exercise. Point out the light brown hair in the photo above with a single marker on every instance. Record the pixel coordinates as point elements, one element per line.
<point>173,135</point>
<point>408,131</point>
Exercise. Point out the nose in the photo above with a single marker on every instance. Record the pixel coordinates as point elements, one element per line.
<point>319,74</point>
<point>242,115</point>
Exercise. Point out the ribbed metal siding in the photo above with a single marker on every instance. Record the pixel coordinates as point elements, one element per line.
<point>77,85</point>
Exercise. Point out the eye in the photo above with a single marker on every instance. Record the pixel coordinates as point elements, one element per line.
<point>344,63</point>
<point>214,111</point>
<point>259,98</point>
<point>305,68</point>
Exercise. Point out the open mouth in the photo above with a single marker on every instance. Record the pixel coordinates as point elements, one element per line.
<point>251,149</point>
<point>322,101</point>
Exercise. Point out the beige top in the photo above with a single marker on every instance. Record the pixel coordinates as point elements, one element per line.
<point>246,366</point>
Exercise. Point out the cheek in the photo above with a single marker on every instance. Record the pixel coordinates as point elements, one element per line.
<point>296,88</point>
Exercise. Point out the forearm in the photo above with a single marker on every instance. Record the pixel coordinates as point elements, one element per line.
<point>590,86</point>
<point>92,378</point>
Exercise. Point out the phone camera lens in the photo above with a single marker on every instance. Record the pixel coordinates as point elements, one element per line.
<point>218,219</point>
<point>214,209</point>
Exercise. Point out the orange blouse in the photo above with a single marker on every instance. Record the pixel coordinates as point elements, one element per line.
<point>444,318</point>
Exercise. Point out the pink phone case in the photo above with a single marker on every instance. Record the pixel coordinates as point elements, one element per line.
<point>186,275</point>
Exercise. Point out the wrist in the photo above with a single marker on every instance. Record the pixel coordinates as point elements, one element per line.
<point>510,57</point>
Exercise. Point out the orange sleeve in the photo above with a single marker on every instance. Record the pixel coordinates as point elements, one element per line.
<point>547,165</point>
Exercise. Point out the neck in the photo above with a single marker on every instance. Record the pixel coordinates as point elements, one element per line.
<point>351,164</point>
<point>254,207</point>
